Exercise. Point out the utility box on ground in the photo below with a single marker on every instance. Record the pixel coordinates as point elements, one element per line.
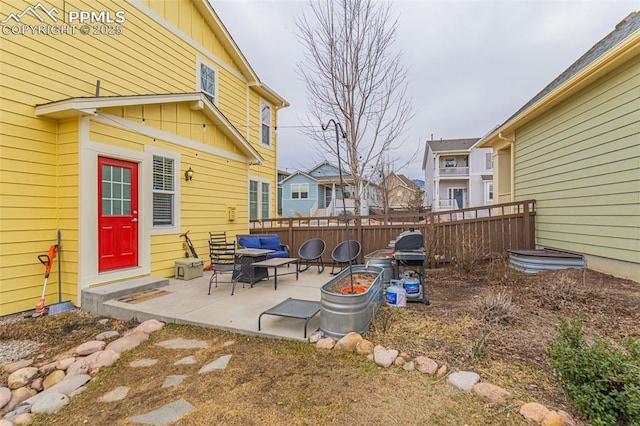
<point>189,268</point>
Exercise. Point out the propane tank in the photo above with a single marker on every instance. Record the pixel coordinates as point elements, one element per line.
<point>395,294</point>
<point>411,284</point>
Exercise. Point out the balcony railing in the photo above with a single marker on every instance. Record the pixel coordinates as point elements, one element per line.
<point>448,204</point>
<point>454,171</point>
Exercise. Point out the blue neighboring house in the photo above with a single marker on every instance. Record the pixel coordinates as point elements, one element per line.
<point>317,193</point>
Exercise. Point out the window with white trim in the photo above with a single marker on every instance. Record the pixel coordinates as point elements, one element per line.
<point>207,80</point>
<point>265,200</point>
<point>300,191</point>
<point>163,191</point>
<point>265,120</point>
<point>259,199</point>
<point>489,161</point>
<point>253,200</point>
<point>488,192</point>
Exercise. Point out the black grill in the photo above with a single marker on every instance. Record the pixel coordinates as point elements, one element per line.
<point>409,253</point>
<point>409,241</point>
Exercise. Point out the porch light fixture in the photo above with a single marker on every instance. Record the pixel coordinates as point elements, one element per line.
<point>188,175</point>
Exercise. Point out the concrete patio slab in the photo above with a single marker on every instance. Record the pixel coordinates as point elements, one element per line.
<point>187,302</point>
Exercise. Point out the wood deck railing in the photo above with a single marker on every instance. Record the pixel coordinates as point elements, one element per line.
<point>488,230</point>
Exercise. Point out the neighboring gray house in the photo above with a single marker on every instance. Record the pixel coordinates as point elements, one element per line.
<point>457,175</point>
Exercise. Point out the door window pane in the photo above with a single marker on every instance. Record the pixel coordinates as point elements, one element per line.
<point>116,191</point>
<point>106,207</point>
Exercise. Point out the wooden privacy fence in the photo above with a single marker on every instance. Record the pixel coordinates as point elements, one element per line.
<point>480,231</point>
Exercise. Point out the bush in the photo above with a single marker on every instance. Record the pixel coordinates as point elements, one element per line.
<point>467,250</point>
<point>564,289</point>
<point>602,380</point>
<point>495,308</point>
<point>501,274</point>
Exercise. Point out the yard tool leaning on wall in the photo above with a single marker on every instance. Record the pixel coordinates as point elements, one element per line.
<point>47,261</point>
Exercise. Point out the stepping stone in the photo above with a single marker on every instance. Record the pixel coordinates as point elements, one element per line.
<point>145,362</point>
<point>183,344</point>
<point>186,361</point>
<point>173,380</point>
<point>218,364</point>
<point>118,394</point>
<point>165,415</point>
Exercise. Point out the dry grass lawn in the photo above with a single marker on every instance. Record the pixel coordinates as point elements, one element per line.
<point>494,321</point>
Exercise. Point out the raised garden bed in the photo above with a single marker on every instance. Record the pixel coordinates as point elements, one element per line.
<point>342,313</point>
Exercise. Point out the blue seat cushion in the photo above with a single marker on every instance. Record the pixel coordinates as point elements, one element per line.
<point>250,242</point>
<point>279,253</point>
<point>270,243</point>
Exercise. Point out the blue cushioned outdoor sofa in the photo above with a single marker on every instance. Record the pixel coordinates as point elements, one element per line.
<point>264,241</point>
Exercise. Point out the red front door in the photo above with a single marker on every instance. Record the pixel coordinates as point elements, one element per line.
<point>117,214</point>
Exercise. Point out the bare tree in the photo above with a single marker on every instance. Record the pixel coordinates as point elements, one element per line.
<point>353,75</point>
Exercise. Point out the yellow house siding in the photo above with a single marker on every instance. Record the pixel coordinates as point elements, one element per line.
<point>232,100</point>
<point>68,205</point>
<point>184,16</point>
<point>581,162</point>
<point>178,119</point>
<point>28,191</point>
<point>231,87</point>
<point>40,167</point>
<point>218,182</point>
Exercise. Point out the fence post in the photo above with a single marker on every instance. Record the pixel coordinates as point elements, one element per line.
<point>527,225</point>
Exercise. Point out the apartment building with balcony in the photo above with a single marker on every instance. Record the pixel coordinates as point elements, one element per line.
<point>457,174</point>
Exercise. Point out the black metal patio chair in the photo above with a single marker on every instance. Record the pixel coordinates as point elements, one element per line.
<point>345,253</point>
<point>237,274</point>
<point>309,251</point>
<point>221,252</point>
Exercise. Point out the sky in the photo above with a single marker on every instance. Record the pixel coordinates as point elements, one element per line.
<point>471,64</point>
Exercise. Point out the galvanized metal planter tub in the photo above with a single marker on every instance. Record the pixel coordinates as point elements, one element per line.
<point>383,259</point>
<point>343,313</point>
